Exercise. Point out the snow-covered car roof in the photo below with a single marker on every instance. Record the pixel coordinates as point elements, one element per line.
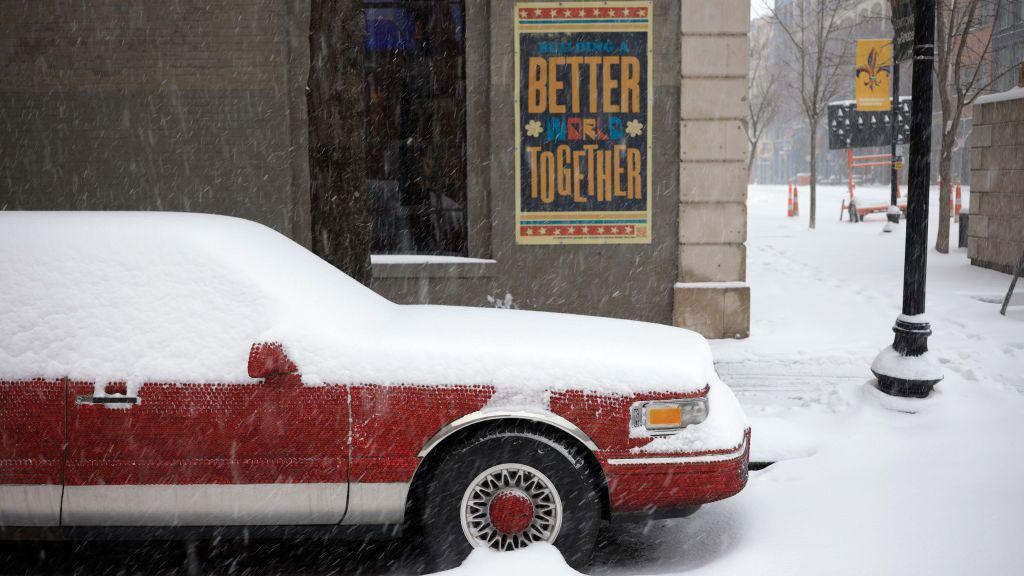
<point>173,297</point>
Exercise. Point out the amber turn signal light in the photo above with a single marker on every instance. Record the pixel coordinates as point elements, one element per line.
<point>664,416</point>
<point>668,416</point>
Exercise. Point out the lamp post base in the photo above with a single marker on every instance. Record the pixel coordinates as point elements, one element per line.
<point>893,214</point>
<point>905,368</point>
<point>904,388</point>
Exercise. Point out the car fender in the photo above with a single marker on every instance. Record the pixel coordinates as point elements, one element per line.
<point>472,418</point>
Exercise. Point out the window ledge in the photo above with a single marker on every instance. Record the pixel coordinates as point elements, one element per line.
<point>416,266</point>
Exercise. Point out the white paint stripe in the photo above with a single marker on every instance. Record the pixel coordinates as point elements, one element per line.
<point>30,504</point>
<point>204,504</point>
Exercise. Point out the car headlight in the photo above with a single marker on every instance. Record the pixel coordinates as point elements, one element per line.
<point>668,416</point>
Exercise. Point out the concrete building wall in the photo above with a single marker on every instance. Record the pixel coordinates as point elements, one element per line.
<point>631,281</point>
<point>711,294</point>
<point>996,229</point>
<point>193,105</point>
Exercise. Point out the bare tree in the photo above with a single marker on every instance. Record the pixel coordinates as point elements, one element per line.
<point>817,42</point>
<point>763,94</point>
<point>963,42</point>
<point>335,98</point>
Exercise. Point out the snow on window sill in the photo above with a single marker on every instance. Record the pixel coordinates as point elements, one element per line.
<point>1015,93</point>
<point>736,285</point>
<point>424,266</point>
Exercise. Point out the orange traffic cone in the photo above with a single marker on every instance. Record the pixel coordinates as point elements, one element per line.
<point>789,203</point>
<point>959,204</point>
<point>796,201</point>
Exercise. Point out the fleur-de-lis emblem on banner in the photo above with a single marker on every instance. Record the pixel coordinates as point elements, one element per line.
<point>873,70</point>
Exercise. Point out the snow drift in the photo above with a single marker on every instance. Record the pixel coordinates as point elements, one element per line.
<point>538,558</point>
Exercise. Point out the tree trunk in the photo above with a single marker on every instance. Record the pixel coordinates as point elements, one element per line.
<point>945,193</point>
<point>814,173</point>
<point>750,161</point>
<point>335,99</point>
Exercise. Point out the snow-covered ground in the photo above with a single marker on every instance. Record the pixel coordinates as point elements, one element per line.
<point>864,483</point>
<point>826,299</point>
<point>823,303</point>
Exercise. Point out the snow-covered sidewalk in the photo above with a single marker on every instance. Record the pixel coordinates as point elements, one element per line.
<point>864,483</point>
<point>823,304</point>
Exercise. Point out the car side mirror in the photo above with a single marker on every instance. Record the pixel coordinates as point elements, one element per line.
<point>268,359</point>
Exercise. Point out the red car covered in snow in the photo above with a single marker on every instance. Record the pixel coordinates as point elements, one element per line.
<point>193,370</point>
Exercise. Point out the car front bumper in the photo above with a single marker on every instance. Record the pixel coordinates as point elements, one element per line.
<point>674,485</point>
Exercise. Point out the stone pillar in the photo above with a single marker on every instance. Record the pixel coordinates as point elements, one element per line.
<point>711,294</point>
<point>996,228</point>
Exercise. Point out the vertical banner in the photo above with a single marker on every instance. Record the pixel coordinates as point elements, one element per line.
<point>583,122</point>
<point>873,77</point>
<point>903,22</point>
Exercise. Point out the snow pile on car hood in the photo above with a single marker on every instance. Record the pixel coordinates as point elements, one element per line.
<point>164,297</point>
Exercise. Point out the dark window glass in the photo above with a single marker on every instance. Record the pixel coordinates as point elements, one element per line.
<point>1004,17</point>
<point>416,126</point>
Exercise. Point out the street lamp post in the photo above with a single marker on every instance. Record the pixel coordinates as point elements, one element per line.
<point>904,369</point>
<point>894,183</point>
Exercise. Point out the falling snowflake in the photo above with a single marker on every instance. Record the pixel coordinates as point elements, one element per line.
<point>634,128</point>
<point>533,128</point>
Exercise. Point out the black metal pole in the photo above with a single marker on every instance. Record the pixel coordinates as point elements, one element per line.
<point>916,263</point>
<point>897,374</point>
<point>894,210</point>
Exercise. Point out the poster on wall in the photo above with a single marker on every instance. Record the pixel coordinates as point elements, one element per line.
<point>873,76</point>
<point>583,122</point>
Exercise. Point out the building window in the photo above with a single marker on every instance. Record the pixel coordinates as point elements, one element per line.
<point>1003,18</point>
<point>1018,60</point>
<point>1000,57</point>
<point>416,126</point>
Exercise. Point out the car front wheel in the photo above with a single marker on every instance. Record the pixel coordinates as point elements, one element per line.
<point>508,487</point>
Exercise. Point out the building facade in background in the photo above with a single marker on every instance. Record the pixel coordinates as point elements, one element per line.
<point>1008,42</point>
<point>200,106</point>
<point>784,151</point>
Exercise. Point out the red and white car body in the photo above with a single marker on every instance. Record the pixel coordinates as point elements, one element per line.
<point>193,370</point>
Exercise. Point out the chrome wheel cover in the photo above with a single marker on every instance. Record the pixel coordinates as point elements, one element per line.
<point>520,481</point>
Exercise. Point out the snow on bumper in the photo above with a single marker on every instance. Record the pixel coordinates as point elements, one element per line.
<point>700,464</point>
<point>659,484</point>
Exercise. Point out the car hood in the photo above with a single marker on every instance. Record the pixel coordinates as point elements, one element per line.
<point>509,349</point>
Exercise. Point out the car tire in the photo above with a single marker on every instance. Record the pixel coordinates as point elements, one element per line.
<point>477,496</point>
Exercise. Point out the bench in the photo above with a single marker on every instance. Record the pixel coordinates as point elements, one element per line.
<point>857,213</point>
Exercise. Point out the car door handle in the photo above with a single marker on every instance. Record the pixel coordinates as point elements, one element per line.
<point>90,399</point>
